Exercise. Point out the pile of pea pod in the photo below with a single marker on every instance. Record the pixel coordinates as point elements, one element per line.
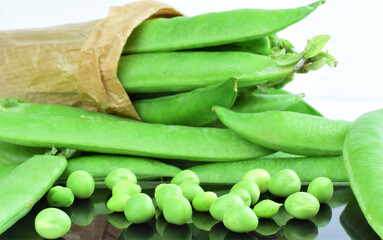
<point>209,91</point>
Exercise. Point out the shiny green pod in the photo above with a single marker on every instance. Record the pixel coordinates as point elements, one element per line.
<point>190,108</point>
<point>11,154</point>
<point>25,185</point>
<point>289,132</point>
<point>259,45</point>
<point>126,137</point>
<point>363,154</point>
<point>307,168</point>
<point>212,29</point>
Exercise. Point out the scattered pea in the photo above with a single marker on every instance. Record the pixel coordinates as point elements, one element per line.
<point>202,201</point>
<point>266,208</point>
<point>260,176</point>
<point>240,219</point>
<point>59,196</point>
<point>119,175</point>
<point>190,189</point>
<point>222,204</point>
<point>81,183</point>
<point>164,191</point>
<point>244,194</point>
<point>284,183</point>
<point>126,187</point>
<point>117,202</point>
<point>249,186</point>
<point>52,223</point>
<point>185,176</point>
<point>302,205</point>
<point>139,208</point>
<point>177,210</point>
<point>322,188</point>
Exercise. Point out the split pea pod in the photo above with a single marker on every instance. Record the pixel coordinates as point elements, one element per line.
<point>212,29</point>
<point>126,136</point>
<point>190,108</point>
<point>25,185</point>
<point>307,168</point>
<point>253,103</point>
<point>99,166</point>
<point>363,154</point>
<point>289,132</point>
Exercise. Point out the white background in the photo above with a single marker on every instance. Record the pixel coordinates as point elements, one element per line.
<point>352,88</point>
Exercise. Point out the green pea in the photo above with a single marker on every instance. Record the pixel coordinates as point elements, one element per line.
<point>59,196</point>
<point>249,186</point>
<point>126,187</point>
<point>52,223</point>
<point>245,195</point>
<point>190,189</point>
<point>185,176</point>
<point>266,208</point>
<point>284,183</point>
<point>302,205</point>
<point>119,175</point>
<point>240,218</point>
<point>260,176</point>
<point>177,210</point>
<point>117,202</point>
<point>203,200</point>
<point>139,208</point>
<point>222,204</point>
<point>322,188</point>
<point>81,183</point>
<point>164,191</point>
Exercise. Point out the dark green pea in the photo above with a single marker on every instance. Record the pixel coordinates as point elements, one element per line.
<point>81,183</point>
<point>296,229</point>
<point>52,223</point>
<point>59,196</point>
<point>322,188</point>
<point>284,183</point>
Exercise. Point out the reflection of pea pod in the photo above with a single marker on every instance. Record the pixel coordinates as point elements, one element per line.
<point>23,229</point>
<point>191,108</point>
<point>15,154</point>
<point>25,185</point>
<point>355,224</point>
<point>126,137</point>
<point>296,229</point>
<point>99,166</point>
<point>82,212</point>
<point>300,107</point>
<point>307,169</point>
<point>289,132</point>
<point>264,102</point>
<point>341,196</point>
<point>212,29</point>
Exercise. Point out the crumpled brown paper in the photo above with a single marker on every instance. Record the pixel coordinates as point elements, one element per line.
<point>74,64</point>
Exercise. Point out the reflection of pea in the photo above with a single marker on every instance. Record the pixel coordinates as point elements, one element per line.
<point>118,220</point>
<point>203,220</point>
<point>161,224</point>
<point>82,212</point>
<point>267,227</point>
<point>242,236</point>
<point>323,217</point>
<point>218,232</point>
<point>139,232</point>
<point>282,216</point>
<point>173,232</point>
<point>296,229</point>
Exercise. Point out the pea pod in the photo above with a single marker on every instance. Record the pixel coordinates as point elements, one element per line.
<point>25,185</point>
<point>258,45</point>
<point>307,168</point>
<point>11,154</point>
<point>99,166</point>
<point>253,103</point>
<point>363,154</point>
<point>212,29</point>
<point>126,137</point>
<point>191,108</point>
<point>289,132</point>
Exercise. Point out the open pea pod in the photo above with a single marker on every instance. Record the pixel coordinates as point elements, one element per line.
<point>25,185</point>
<point>212,29</point>
<point>363,154</point>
